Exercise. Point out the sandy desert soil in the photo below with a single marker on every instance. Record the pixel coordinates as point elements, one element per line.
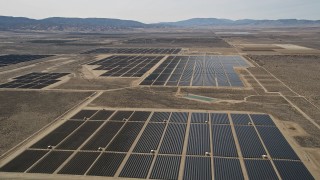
<point>301,73</point>
<point>23,113</point>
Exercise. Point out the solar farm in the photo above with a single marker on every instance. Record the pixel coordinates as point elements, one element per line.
<point>34,80</point>
<point>134,51</point>
<point>201,140</point>
<point>6,60</point>
<point>126,66</point>
<point>197,71</point>
<point>149,105</point>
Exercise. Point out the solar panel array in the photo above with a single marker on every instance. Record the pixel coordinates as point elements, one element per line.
<point>197,71</point>
<point>134,51</point>
<point>126,66</point>
<point>34,80</point>
<point>148,144</point>
<point>7,60</point>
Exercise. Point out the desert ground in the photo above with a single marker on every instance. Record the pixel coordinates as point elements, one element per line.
<point>282,79</point>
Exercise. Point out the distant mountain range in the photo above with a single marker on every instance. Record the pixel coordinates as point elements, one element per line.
<point>105,24</point>
<point>244,22</point>
<point>67,24</point>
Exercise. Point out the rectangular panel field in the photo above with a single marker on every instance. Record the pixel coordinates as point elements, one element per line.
<point>51,162</point>
<point>179,117</point>
<point>219,118</point>
<point>137,166</point>
<point>102,115</point>
<point>121,115</point>
<point>126,66</point>
<point>57,135</point>
<point>262,119</point>
<point>126,136</point>
<point>150,138</point>
<point>83,114</point>
<point>250,144</point>
<point>34,80</point>
<point>197,168</point>
<point>80,135</point>
<point>276,144</point>
<point>6,60</point>
<point>173,139</point>
<point>199,118</point>
<point>104,136</point>
<point>293,170</point>
<point>23,161</point>
<point>223,143</point>
<point>139,116</point>
<point>166,167</point>
<point>107,164</point>
<point>134,51</point>
<point>160,144</point>
<point>241,119</point>
<point>260,169</point>
<point>226,168</point>
<point>199,139</point>
<point>85,159</point>
<point>160,116</point>
<point>197,71</point>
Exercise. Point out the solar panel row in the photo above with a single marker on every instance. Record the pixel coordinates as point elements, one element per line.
<point>126,66</point>
<point>157,147</point>
<point>7,60</point>
<point>34,80</point>
<point>134,51</point>
<point>197,71</point>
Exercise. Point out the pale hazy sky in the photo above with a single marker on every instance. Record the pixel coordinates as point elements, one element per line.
<point>150,11</point>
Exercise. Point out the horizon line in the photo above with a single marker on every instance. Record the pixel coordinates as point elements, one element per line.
<point>160,21</point>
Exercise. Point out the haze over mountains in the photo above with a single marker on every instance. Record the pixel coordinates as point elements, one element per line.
<point>105,24</point>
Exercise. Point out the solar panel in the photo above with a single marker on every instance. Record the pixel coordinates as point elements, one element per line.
<point>137,166</point>
<point>166,167</point>
<point>240,119</point>
<point>160,116</point>
<point>107,164</point>
<point>276,144</point>
<point>134,51</point>
<point>136,147</point>
<point>6,60</point>
<point>197,168</point>
<point>51,162</point>
<point>262,119</point>
<point>33,81</point>
<point>80,135</point>
<point>126,66</point>
<point>260,169</point>
<point>223,143</point>
<point>219,118</point>
<point>104,136</point>
<point>102,115</point>
<point>150,138</point>
<point>293,170</point>
<point>173,140</point>
<point>179,117</point>
<point>250,144</point>
<point>199,139</point>
<point>199,118</point>
<point>226,168</point>
<point>196,71</point>
<point>80,163</point>
<point>125,138</point>
<point>83,114</point>
<point>121,115</point>
<point>23,161</point>
<point>57,135</point>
